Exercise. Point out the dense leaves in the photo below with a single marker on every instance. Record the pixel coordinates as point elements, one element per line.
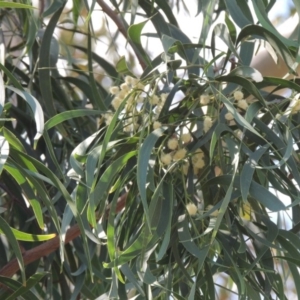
<point>116,185</point>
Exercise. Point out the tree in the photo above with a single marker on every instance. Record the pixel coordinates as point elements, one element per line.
<point>159,185</point>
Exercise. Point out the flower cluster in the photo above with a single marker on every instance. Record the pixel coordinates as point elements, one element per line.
<point>241,103</point>
<point>135,94</point>
<point>131,89</point>
<point>142,106</point>
<point>177,151</point>
<point>207,123</point>
<point>176,146</point>
<point>204,99</point>
<point>191,209</point>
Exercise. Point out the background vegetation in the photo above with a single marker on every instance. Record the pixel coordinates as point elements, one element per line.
<point>143,176</point>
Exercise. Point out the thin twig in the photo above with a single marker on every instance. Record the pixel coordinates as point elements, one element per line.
<point>118,21</point>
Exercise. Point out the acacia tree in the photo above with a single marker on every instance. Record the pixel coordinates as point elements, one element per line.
<point>161,185</point>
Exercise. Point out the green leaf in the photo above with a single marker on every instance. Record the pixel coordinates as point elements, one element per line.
<point>281,83</point>
<point>247,72</point>
<point>168,203</point>
<point>122,68</point>
<point>279,47</point>
<point>15,246</point>
<point>31,282</point>
<point>5,4</point>
<point>167,9</point>
<point>20,176</point>
<point>142,165</point>
<point>15,285</point>
<point>134,33</point>
<point>267,25</point>
<point>265,197</point>
<point>44,64</point>
<point>239,118</point>
<point>261,194</point>
<point>104,183</point>
<point>28,237</point>
<point>70,114</point>
<point>130,276</point>
<point>249,169</point>
<point>187,241</point>
<point>245,83</point>
<point>208,7</point>
<point>221,31</point>
<point>239,12</point>
<point>134,250</point>
<point>37,112</point>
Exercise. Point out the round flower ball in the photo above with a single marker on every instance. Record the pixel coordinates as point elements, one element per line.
<point>166,158</point>
<point>191,209</point>
<point>238,95</point>
<point>172,143</point>
<point>179,154</point>
<point>242,104</point>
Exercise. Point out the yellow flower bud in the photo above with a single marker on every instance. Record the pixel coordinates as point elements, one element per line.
<point>238,95</point>
<point>191,209</point>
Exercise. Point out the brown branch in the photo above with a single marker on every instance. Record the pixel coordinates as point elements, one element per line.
<point>50,246</point>
<point>118,21</point>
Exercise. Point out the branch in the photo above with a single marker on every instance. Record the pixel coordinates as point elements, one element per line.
<point>52,245</point>
<point>118,21</point>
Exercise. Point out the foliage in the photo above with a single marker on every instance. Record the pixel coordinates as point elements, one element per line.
<point>196,145</point>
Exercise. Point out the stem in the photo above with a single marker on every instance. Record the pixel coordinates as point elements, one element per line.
<point>52,245</point>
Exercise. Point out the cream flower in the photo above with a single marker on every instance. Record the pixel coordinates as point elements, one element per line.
<point>229,116</point>
<point>196,170</point>
<point>156,125</point>
<point>158,108</point>
<point>239,134</point>
<point>166,158</point>
<point>204,99</point>
<point>179,154</point>
<point>108,117</point>
<point>139,86</point>
<point>116,102</point>
<point>238,95</point>
<point>213,214</point>
<point>199,164</point>
<point>114,90</point>
<point>134,81</point>
<point>128,126</point>
<point>191,209</point>
<point>199,154</point>
<point>242,104</point>
<point>186,137</point>
<point>163,97</point>
<point>122,93</point>
<point>124,87</point>
<point>128,79</point>
<point>154,100</point>
<point>207,123</point>
<point>296,107</point>
<point>173,143</point>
